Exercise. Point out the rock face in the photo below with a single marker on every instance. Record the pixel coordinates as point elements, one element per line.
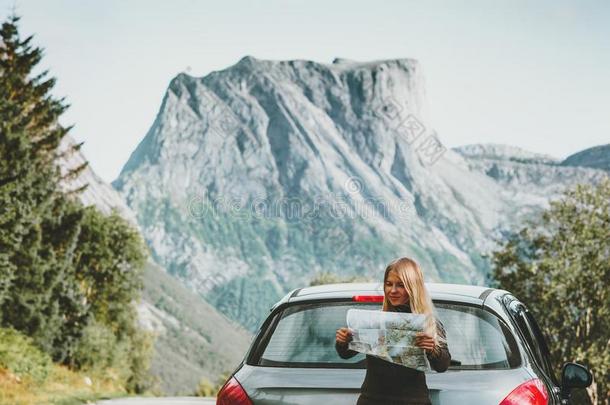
<point>98,192</point>
<point>253,179</point>
<point>528,181</point>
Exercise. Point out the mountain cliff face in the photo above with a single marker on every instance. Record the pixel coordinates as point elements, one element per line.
<point>97,192</point>
<point>253,179</point>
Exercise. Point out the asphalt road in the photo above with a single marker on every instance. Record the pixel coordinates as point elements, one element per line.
<point>160,401</point>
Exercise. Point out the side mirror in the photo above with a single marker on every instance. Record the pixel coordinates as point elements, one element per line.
<point>574,375</point>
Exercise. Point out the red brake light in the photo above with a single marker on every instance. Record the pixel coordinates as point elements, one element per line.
<point>232,393</point>
<point>531,392</point>
<point>367,298</point>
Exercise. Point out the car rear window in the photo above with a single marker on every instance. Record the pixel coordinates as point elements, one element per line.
<point>303,335</point>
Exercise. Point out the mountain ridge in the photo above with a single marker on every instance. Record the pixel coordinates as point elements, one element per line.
<point>350,145</point>
<point>597,157</point>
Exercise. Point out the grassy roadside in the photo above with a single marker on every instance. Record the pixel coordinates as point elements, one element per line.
<point>29,377</point>
<point>61,387</point>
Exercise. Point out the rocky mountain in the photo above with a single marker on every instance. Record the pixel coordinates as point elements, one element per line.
<point>528,180</point>
<point>253,179</point>
<point>193,340</point>
<point>597,157</point>
<point>97,192</point>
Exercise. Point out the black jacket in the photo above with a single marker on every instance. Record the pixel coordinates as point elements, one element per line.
<point>392,384</point>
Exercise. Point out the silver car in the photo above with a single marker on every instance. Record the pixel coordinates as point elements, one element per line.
<point>498,353</point>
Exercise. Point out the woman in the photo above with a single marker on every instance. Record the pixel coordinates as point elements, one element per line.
<point>389,383</point>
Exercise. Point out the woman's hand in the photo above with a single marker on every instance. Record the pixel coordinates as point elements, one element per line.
<point>344,335</point>
<point>424,341</point>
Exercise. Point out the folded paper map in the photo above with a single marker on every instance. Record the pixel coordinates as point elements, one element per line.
<point>388,335</point>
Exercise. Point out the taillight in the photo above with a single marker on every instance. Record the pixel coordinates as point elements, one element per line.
<point>531,392</point>
<point>232,393</point>
<point>367,298</point>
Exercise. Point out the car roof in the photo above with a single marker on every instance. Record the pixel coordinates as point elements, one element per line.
<point>438,291</point>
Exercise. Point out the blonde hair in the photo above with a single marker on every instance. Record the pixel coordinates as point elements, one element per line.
<point>420,302</point>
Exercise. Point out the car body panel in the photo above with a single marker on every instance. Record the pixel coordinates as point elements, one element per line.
<point>274,385</point>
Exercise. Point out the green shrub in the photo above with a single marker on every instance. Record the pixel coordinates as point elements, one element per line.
<point>208,389</point>
<point>100,349</point>
<point>140,356</point>
<point>19,355</point>
<point>96,349</point>
<point>205,389</point>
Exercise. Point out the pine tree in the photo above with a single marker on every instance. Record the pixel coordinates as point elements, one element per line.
<point>36,225</point>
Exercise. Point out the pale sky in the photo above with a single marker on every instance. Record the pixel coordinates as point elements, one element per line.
<point>530,74</point>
